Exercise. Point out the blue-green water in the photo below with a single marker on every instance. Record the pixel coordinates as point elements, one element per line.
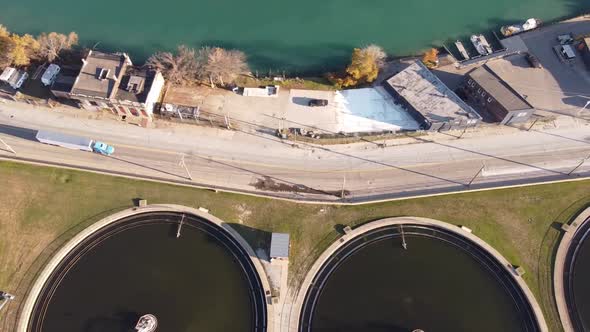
<point>297,35</point>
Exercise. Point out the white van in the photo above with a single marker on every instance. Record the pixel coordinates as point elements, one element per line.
<point>50,74</point>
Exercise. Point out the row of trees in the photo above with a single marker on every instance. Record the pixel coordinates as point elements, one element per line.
<point>20,50</point>
<point>363,68</point>
<point>213,64</point>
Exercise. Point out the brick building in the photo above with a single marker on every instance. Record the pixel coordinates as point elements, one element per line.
<point>109,81</point>
<point>493,98</point>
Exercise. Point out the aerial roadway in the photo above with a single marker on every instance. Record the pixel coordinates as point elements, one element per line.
<point>254,162</point>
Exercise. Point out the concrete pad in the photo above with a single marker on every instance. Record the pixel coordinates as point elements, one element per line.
<point>565,86</point>
<point>372,109</point>
<point>298,114</point>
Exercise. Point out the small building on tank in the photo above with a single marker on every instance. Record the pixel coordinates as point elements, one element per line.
<point>495,100</point>
<point>429,101</point>
<point>110,81</point>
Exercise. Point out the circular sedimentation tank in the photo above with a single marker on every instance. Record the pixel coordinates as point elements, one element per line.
<point>202,280</point>
<point>445,279</point>
<point>572,275</point>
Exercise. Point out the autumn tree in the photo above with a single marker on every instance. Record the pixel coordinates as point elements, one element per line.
<point>363,68</point>
<point>430,58</point>
<point>377,53</point>
<point>177,68</point>
<point>25,49</point>
<point>221,66</point>
<point>6,47</point>
<point>3,31</point>
<point>51,45</point>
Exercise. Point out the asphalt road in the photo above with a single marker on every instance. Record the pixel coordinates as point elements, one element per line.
<point>236,160</point>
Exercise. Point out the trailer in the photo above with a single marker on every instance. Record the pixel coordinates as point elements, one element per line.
<point>73,142</point>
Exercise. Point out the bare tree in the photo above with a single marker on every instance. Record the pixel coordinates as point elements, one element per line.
<point>377,53</point>
<point>51,45</point>
<point>177,69</point>
<point>221,66</point>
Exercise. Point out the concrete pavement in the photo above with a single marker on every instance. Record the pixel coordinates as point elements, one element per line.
<point>237,160</point>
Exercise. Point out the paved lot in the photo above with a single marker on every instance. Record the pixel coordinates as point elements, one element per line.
<point>358,110</point>
<point>562,87</point>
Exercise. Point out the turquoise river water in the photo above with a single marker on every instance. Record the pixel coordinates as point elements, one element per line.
<point>303,35</point>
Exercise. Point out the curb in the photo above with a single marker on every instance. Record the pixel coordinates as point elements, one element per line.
<point>401,197</point>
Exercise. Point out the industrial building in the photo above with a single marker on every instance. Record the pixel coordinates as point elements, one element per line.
<point>495,100</point>
<point>429,101</point>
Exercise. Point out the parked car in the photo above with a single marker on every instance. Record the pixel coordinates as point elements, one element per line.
<point>317,102</point>
<point>567,52</point>
<point>533,61</point>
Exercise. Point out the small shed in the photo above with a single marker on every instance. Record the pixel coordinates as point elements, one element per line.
<point>279,246</point>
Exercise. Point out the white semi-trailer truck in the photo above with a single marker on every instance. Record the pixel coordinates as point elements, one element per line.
<point>73,142</point>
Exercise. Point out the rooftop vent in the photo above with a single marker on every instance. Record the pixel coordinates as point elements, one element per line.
<point>103,73</point>
<point>135,84</point>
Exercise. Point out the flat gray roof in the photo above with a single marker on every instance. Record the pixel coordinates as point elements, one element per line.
<point>429,95</point>
<point>279,245</point>
<point>498,89</point>
<point>112,67</point>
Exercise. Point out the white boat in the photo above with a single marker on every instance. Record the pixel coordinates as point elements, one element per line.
<point>510,30</point>
<point>481,44</point>
<point>462,50</point>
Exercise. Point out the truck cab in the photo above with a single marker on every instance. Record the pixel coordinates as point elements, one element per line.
<point>103,148</point>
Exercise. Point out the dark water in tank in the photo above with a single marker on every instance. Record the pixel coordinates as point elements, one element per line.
<point>190,284</point>
<point>433,286</point>
<point>581,283</point>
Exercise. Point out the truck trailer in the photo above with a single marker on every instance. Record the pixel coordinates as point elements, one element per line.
<point>73,142</point>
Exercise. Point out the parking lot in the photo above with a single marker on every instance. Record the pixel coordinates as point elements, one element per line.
<point>356,110</point>
<point>561,86</point>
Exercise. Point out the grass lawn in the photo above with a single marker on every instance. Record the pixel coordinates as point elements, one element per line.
<point>42,207</point>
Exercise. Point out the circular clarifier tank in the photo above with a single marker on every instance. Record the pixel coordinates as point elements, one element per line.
<point>200,278</point>
<point>573,275</point>
<point>441,281</point>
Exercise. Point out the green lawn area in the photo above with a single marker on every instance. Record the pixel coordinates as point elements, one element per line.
<point>42,207</point>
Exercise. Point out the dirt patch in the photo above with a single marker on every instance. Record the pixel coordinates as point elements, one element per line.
<point>243,213</point>
<point>269,184</point>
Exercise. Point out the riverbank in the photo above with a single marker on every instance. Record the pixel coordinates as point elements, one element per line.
<point>44,207</point>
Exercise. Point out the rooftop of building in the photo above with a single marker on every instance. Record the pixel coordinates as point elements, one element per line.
<point>135,85</point>
<point>428,95</point>
<point>279,245</point>
<point>101,74</point>
<point>498,89</point>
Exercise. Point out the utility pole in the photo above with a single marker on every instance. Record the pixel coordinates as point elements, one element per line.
<point>183,164</point>
<point>462,133</point>
<point>7,146</point>
<point>476,174</point>
<point>534,122</point>
<point>342,194</point>
<point>583,108</point>
<point>579,165</point>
